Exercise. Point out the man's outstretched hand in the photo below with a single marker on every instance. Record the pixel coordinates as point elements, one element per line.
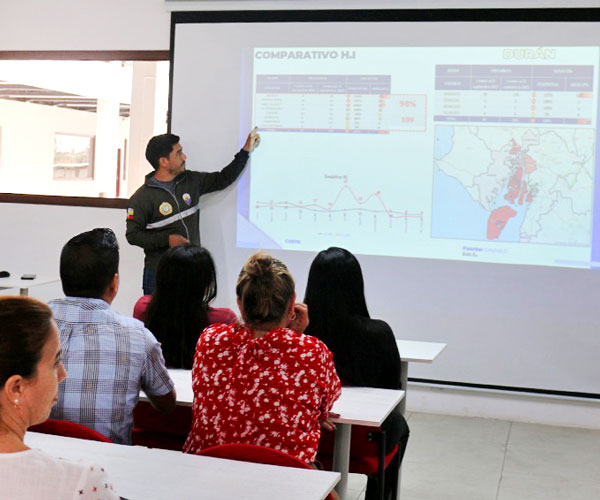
<point>252,141</point>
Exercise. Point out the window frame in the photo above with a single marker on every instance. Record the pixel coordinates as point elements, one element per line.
<point>75,55</point>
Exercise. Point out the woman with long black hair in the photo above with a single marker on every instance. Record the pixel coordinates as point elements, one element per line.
<point>364,350</point>
<point>179,309</point>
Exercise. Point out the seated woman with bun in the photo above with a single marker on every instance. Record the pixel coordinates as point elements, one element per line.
<point>30,371</point>
<point>179,309</point>
<point>263,381</point>
<point>364,349</point>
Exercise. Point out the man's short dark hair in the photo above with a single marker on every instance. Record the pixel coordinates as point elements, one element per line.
<point>160,146</point>
<point>88,263</point>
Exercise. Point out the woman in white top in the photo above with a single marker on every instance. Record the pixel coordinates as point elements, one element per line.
<point>30,371</point>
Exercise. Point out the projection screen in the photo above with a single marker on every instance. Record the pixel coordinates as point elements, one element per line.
<point>456,159</point>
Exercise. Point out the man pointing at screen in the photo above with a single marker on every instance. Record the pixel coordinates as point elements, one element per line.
<point>164,212</point>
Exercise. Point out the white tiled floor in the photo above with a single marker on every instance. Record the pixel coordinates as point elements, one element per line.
<point>459,458</point>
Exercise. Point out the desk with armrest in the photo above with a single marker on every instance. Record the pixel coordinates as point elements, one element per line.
<point>357,406</point>
<point>143,473</point>
<point>415,351</point>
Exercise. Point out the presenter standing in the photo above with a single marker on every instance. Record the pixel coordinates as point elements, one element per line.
<point>165,211</point>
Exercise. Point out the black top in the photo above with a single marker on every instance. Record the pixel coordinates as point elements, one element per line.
<point>365,353</point>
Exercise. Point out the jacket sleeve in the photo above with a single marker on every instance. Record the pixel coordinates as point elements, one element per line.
<point>215,181</point>
<point>138,215</point>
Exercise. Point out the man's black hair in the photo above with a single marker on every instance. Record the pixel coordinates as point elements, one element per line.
<point>160,146</point>
<point>88,263</point>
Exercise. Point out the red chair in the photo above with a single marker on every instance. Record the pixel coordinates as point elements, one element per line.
<point>157,430</point>
<point>256,454</point>
<point>68,429</point>
<point>367,456</point>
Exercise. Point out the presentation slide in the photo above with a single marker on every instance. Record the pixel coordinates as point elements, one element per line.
<point>464,153</point>
<point>456,159</point>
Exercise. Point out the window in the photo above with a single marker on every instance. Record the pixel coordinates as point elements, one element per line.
<point>73,157</point>
<point>78,128</point>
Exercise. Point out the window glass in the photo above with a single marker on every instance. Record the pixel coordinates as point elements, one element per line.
<point>73,157</point>
<point>79,128</point>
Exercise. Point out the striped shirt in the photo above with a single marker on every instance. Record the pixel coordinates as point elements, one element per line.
<point>108,358</point>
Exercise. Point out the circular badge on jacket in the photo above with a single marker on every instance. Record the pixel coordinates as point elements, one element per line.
<point>165,208</point>
<point>187,198</point>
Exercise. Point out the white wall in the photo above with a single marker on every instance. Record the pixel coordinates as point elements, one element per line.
<point>503,405</point>
<point>84,25</point>
<point>33,235</point>
<point>188,5</point>
<point>27,148</point>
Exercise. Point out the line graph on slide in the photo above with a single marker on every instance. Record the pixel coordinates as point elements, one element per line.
<point>349,207</point>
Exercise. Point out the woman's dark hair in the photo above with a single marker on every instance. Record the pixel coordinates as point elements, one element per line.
<point>264,288</point>
<point>186,283</point>
<point>25,325</point>
<point>334,294</point>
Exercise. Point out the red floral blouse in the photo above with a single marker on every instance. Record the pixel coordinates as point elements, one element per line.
<point>271,391</point>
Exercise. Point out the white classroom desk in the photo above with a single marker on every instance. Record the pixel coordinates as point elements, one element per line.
<point>415,351</point>
<point>357,406</point>
<point>15,281</point>
<point>139,473</point>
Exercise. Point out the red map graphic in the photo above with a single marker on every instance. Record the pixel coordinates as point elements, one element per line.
<point>522,165</point>
<point>497,221</point>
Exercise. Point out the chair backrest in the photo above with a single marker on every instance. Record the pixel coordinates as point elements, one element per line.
<point>176,423</point>
<point>68,429</point>
<point>157,430</point>
<point>360,444</point>
<point>254,453</point>
<point>364,451</point>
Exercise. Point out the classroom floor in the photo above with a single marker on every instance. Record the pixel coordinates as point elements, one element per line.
<point>459,458</point>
